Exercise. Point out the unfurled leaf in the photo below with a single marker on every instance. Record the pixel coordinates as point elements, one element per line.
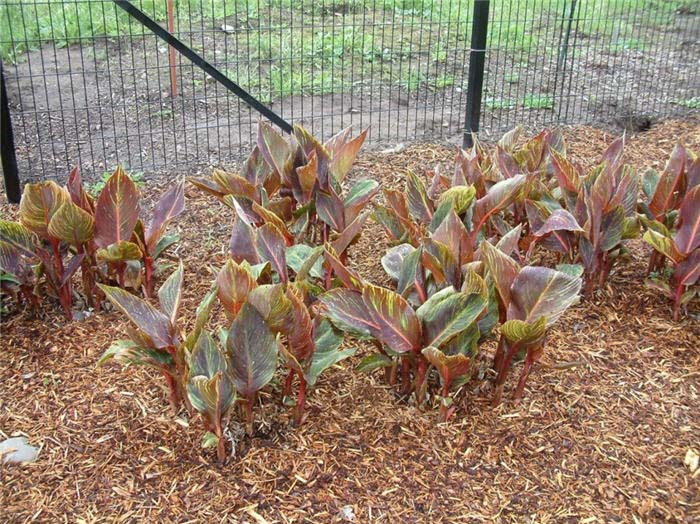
<point>271,246</point>
<point>372,362</point>
<point>272,303</point>
<point>202,315</point>
<point>273,148</point>
<point>502,268</point>
<point>419,204</point>
<point>116,210</point>
<point>345,155</point>
<point>154,324</point>
<point>688,235</point>
<point>460,198</point>
<point>448,313</point>
<point>170,205</point>
<point>252,352</point>
<point>234,283</point>
<point>119,252</point>
<point>519,331</point>
<point>670,186</point>
<point>170,294</point>
<point>358,197</point>
<point>330,209</point>
<point>499,196</point>
<point>449,367</point>
<point>542,292</point>
<point>392,261</point>
<point>242,242</point>
<point>308,179</point>
<point>233,184</point>
<point>209,384</point>
<point>327,353</point>
<point>299,254</point>
<point>39,203</point>
<point>18,236</point>
<point>350,233</point>
<point>346,309</point>
<point>394,323</point>
<point>77,193</point>
<point>129,352</point>
<point>559,220</point>
<point>72,225</point>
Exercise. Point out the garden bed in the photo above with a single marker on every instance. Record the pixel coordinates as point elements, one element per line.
<point>600,436</point>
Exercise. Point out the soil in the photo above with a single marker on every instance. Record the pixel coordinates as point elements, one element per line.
<point>108,100</point>
<point>601,435</point>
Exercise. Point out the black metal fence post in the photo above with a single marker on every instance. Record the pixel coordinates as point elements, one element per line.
<point>477,59</point>
<point>7,146</point>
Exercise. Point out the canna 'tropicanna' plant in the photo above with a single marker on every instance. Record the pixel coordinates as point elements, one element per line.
<point>599,214</point>
<point>106,237</point>
<point>681,250</point>
<point>665,192</point>
<point>442,332</point>
<point>297,187</point>
<point>531,299</point>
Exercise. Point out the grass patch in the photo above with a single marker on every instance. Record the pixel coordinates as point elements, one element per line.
<point>538,102</point>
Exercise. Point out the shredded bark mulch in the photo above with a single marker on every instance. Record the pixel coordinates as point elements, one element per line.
<point>608,417</point>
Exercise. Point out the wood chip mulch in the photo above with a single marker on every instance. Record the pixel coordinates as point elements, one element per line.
<point>601,435</point>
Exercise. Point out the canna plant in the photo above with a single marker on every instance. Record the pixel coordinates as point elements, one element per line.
<point>18,263</point>
<point>681,250</point>
<point>443,332</point>
<point>439,239</point>
<point>297,187</point>
<point>599,214</point>
<point>665,192</point>
<point>103,237</point>
<point>530,299</point>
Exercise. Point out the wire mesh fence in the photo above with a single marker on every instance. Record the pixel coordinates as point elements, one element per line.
<point>88,85</point>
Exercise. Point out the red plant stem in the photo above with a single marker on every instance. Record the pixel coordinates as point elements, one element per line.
<point>503,373</point>
<point>173,390</point>
<point>421,372</point>
<point>301,401</point>
<point>529,360</point>
<point>249,415</point>
<point>148,263</point>
<point>220,443</point>
<point>500,353</point>
<point>405,376</point>
<point>87,274</point>
<point>287,389</point>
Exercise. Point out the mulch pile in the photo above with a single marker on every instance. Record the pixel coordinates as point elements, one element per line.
<point>601,435</point>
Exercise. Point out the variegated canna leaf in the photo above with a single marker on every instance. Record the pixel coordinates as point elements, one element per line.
<point>170,205</point>
<point>72,225</point>
<point>154,324</point>
<point>420,205</point>
<point>234,283</point>
<point>271,247</point>
<point>542,292</point>
<point>502,268</point>
<point>349,278</point>
<point>688,235</point>
<point>330,209</point>
<point>448,313</point>
<point>202,315</point>
<point>327,352</point>
<point>18,236</point>
<point>77,193</point>
<point>449,367</point>
<point>39,203</point>
<point>129,352</point>
<point>350,233</point>
<point>308,179</point>
<point>119,252</point>
<point>671,184</point>
<point>345,155</point>
<point>209,384</point>
<point>297,257</point>
<point>252,352</point>
<point>346,309</point>
<point>358,197</point>
<point>116,210</point>
<point>170,294</point>
<point>242,242</point>
<point>663,244</point>
<point>392,261</point>
<point>521,332</point>
<point>397,325</point>
<point>273,148</point>
<point>499,196</point>
<point>272,303</point>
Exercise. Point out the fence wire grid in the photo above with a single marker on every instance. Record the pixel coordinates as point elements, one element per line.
<point>90,86</point>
